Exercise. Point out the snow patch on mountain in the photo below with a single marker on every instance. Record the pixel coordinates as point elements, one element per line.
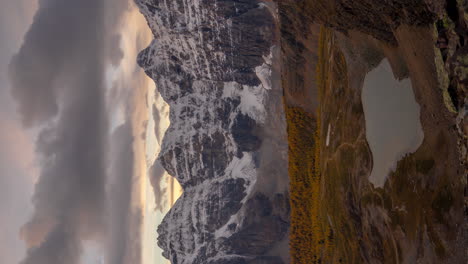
<point>212,63</point>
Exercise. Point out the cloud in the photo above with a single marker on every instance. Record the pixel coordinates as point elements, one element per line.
<point>65,240</point>
<point>156,174</point>
<point>67,39</point>
<point>124,221</point>
<point>157,122</point>
<point>115,53</point>
<point>58,81</point>
<point>70,192</point>
<point>17,152</point>
<point>16,184</point>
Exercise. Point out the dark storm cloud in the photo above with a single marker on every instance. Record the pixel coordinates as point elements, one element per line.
<point>156,174</point>
<point>157,121</point>
<point>62,239</point>
<point>124,221</point>
<point>70,191</point>
<point>58,81</point>
<point>65,37</point>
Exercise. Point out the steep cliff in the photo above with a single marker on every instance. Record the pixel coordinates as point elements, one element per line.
<point>215,63</point>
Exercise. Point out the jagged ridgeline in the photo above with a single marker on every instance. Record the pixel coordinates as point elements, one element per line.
<point>216,63</point>
<point>268,130</point>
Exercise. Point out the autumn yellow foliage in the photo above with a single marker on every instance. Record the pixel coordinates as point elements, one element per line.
<point>304,185</point>
<point>310,236</point>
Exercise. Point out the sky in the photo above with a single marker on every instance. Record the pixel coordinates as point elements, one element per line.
<point>77,180</point>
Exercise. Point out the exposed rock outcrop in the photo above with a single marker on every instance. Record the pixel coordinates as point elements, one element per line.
<point>215,63</point>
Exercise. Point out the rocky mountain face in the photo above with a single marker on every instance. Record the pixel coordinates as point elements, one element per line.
<point>223,67</point>
<point>215,63</point>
